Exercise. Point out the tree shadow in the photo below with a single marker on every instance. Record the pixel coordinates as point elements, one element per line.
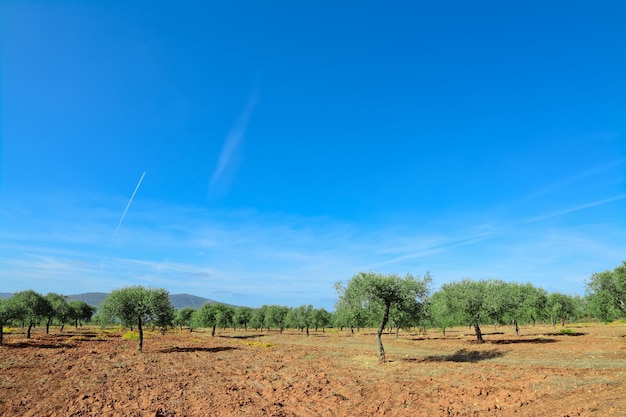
<point>176,349</point>
<point>34,344</point>
<point>461,355</point>
<point>537,340</point>
<point>483,333</point>
<point>559,334</point>
<point>243,336</point>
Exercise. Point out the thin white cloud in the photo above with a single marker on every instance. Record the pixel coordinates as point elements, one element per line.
<point>578,177</point>
<point>252,258</point>
<point>234,138</point>
<point>573,209</point>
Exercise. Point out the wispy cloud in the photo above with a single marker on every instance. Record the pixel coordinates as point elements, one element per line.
<point>578,177</point>
<point>252,258</point>
<point>235,137</point>
<point>573,209</point>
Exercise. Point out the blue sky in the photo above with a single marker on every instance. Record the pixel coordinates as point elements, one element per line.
<point>289,145</point>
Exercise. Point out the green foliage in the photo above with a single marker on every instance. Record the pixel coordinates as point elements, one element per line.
<point>59,309</point>
<point>138,305</point>
<point>242,317</point>
<point>560,307</point>
<point>80,311</point>
<point>224,315</point>
<point>474,302</point>
<point>321,318</point>
<point>29,307</point>
<point>607,293</point>
<point>275,317</point>
<point>368,292</point>
<point>184,318</point>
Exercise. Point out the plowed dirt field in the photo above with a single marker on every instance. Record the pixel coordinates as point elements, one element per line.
<point>94,372</point>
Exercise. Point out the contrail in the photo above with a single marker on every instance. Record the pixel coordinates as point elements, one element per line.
<point>128,205</point>
<point>235,136</point>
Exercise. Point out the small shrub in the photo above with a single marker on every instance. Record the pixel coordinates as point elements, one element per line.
<point>566,331</point>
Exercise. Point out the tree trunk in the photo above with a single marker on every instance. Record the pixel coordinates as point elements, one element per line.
<point>397,332</point>
<point>479,335</point>
<point>48,326</point>
<point>30,326</point>
<point>62,326</point>
<point>140,330</point>
<point>443,330</point>
<point>379,340</point>
<point>1,332</point>
<point>307,330</point>
<point>213,331</point>
<point>516,327</point>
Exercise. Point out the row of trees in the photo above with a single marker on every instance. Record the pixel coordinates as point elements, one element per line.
<point>367,300</point>
<point>29,308</point>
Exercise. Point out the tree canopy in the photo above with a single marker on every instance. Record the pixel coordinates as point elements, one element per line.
<point>138,305</point>
<point>380,292</point>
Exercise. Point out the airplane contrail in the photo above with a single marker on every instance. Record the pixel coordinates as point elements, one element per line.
<point>128,205</point>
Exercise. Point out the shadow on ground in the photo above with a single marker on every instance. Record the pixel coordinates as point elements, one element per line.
<point>35,344</point>
<point>461,355</point>
<point>198,349</point>
<point>536,340</point>
<point>244,336</point>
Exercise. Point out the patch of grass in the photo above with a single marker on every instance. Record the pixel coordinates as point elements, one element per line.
<point>255,343</point>
<point>131,336</point>
<point>566,331</point>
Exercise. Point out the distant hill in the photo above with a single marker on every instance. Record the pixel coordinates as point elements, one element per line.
<point>95,298</point>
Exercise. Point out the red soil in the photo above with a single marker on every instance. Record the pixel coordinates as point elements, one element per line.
<point>88,372</point>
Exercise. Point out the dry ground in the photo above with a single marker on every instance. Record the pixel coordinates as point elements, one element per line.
<point>90,372</point>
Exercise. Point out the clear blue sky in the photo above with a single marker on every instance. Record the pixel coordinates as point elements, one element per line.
<point>288,145</point>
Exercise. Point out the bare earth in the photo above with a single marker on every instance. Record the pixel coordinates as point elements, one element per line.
<point>91,372</point>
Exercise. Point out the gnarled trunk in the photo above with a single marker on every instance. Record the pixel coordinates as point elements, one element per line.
<point>140,330</point>
<point>379,340</point>
<point>479,335</point>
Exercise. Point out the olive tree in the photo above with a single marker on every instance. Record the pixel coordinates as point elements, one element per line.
<point>184,318</point>
<point>607,292</point>
<point>385,292</point>
<point>59,309</point>
<point>80,311</point>
<point>205,317</point>
<point>30,307</point>
<point>223,315</point>
<point>138,305</point>
<point>470,301</point>
<point>301,317</point>
<point>560,307</point>
<point>7,313</point>
<point>243,316</point>
<point>275,316</point>
<point>321,318</point>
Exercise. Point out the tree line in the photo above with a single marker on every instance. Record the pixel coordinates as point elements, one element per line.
<point>368,299</point>
<point>29,308</point>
